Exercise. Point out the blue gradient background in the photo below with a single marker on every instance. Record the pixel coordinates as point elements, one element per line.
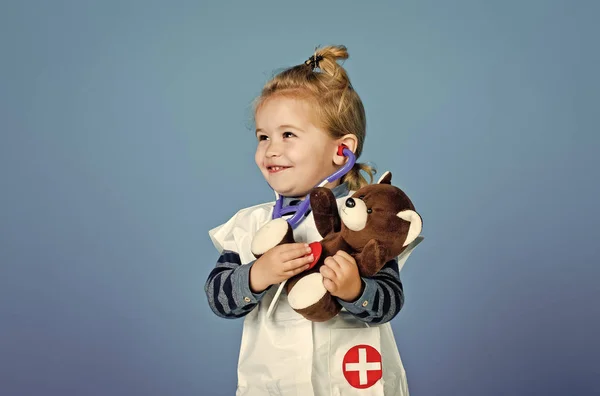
<point>124,138</point>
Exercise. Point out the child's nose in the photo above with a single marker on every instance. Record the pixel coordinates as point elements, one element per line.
<point>272,153</point>
<point>274,150</point>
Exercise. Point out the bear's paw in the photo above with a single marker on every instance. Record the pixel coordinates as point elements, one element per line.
<point>270,235</point>
<point>307,291</point>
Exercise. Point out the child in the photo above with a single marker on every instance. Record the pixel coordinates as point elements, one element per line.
<point>302,116</point>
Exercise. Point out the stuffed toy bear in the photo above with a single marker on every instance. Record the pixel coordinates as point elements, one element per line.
<point>374,226</point>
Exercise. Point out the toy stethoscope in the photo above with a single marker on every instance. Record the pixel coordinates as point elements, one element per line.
<point>301,209</point>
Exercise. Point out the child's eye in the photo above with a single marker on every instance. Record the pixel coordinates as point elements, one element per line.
<point>262,137</point>
<point>288,134</point>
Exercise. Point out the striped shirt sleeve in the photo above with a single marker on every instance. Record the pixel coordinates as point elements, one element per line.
<point>228,287</point>
<point>382,297</point>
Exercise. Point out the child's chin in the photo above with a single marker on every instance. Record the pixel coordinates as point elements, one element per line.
<point>288,192</point>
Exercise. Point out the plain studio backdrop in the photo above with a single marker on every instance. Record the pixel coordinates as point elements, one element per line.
<point>126,135</point>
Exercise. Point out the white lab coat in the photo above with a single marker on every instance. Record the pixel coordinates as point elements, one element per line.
<point>287,355</point>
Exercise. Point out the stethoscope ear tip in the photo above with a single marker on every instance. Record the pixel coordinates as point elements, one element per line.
<point>341,148</point>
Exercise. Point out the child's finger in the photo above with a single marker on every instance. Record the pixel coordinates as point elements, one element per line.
<point>299,263</point>
<point>328,272</point>
<point>334,264</point>
<point>329,285</point>
<point>295,271</point>
<point>345,256</point>
<point>293,251</point>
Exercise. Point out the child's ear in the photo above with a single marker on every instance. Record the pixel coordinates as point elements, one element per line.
<point>349,141</point>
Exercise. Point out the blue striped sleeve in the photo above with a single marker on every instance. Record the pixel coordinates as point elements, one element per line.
<point>382,297</point>
<point>228,287</point>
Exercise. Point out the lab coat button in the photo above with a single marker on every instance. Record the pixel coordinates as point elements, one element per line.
<point>365,303</point>
<point>247,299</point>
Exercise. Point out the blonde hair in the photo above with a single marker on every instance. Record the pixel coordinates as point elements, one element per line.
<point>337,108</point>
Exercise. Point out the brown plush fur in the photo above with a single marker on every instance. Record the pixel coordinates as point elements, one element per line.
<point>379,235</point>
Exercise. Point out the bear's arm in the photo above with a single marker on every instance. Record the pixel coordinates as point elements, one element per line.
<point>325,211</point>
<point>371,259</point>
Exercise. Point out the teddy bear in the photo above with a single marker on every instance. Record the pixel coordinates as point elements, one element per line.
<point>374,226</point>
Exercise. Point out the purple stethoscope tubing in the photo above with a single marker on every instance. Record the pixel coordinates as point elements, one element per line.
<point>301,209</point>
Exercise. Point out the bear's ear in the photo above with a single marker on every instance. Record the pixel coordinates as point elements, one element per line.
<point>386,178</point>
<point>416,225</point>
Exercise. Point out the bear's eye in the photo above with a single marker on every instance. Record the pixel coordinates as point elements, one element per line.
<point>369,210</point>
<point>361,197</point>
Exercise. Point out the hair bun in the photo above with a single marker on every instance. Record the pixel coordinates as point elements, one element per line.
<point>325,59</point>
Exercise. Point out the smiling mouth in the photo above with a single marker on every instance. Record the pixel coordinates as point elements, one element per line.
<point>276,169</point>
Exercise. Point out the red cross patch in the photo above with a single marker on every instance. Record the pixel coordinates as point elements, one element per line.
<point>362,366</point>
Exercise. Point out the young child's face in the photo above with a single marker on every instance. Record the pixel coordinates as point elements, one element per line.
<point>292,153</point>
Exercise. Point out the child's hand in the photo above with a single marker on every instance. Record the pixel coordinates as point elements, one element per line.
<point>279,264</point>
<point>341,277</point>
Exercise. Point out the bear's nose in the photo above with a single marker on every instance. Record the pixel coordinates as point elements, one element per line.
<point>350,203</point>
